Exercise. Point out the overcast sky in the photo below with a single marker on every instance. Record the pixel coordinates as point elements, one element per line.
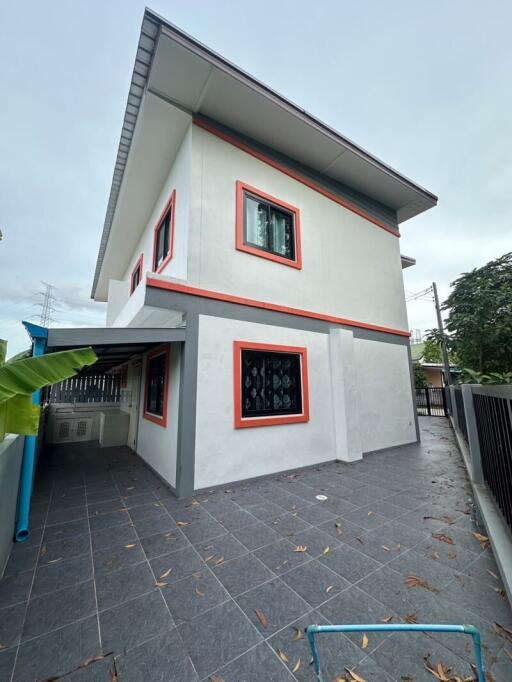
<point>426,86</point>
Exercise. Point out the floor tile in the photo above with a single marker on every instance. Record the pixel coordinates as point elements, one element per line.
<point>377,546</point>
<point>316,514</point>
<point>149,510</point>
<point>257,535</point>
<point>413,563</point>
<point>57,609</point>
<point>390,588</point>
<point>222,548</point>
<point>281,556</point>
<point>58,652</point>
<point>314,582</point>
<point>132,623</point>
<point>15,589</point>
<point>192,596</point>
<point>110,537</point>
<point>265,510</point>
<point>260,663</point>
<point>61,550</point>
<point>152,525</point>
<point>176,565</point>
<point>383,508</point>
<point>237,520</point>
<point>34,538</point>
<point>109,520</point>
<point>481,598</point>
<point>120,586</point>
<point>98,670</point>
<point>104,495</point>
<point>21,559</point>
<point>63,573</point>
<point>343,530</point>
<point>335,650</point>
<point>276,603</point>
<point>288,524</point>
<point>163,543</point>
<point>218,637</point>
<point>353,606</point>
<point>349,563</point>
<point>317,541</point>
<point>114,558</point>
<point>66,515</point>
<point>138,500</point>
<point>11,625</point>
<point>242,574</point>
<point>7,659</point>
<point>161,659</point>
<point>199,531</point>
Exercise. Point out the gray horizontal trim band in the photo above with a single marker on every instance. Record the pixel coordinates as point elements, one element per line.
<point>105,336</point>
<point>174,300</point>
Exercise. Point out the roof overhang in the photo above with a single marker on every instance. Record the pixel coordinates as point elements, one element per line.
<point>184,73</point>
<point>407,261</point>
<point>113,345</point>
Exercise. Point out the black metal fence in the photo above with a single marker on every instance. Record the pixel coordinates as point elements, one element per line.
<point>493,416</point>
<point>431,402</point>
<point>461,415</point>
<point>89,388</point>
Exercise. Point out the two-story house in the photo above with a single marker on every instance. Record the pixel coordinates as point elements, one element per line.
<point>272,242</point>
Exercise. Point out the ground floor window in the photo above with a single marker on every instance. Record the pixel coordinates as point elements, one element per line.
<point>156,391</point>
<point>271,384</point>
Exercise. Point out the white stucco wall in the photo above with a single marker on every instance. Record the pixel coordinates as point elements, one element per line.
<point>351,268</point>
<point>156,444</point>
<point>224,453</point>
<point>127,306</point>
<point>385,401</point>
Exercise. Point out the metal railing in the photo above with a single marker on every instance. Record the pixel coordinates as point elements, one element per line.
<point>431,402</point>
<point>87,388</point>
<point>493,416</point>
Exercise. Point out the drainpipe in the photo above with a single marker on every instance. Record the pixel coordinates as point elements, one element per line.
<point>38,336</point>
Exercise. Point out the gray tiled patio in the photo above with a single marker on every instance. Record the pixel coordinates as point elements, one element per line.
<point>153,588</point>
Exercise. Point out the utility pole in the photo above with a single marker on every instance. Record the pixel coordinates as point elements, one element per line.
<point>47,305</point>
<point>446,361</point>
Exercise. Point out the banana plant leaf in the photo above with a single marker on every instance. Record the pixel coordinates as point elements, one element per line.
<point>20,378</point>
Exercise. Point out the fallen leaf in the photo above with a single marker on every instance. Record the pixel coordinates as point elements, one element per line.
<point>326,550</point>
<point>216,678</point>
<point>166,574</point>
<point>493,574</point>
<point>300,548</point>
<point>199,593</point>
<point>43,550</point>
<point>54,561</point>
<point>417,581</point>
<point>329,588</point>
<point>370,513</point>
<point>337,525</point>
<point>298,634</point>
<point>209,558</point>
<point>182,523</point>
<point>3,646</point>
<point>196,575</point>
<point>364,643</point>
<point>452,555</point>
<point>360,540</point>
<point>261,617</point>
<point>386,549</point>
<point>159,584</point>
<point>283,656</point>
<point>388,619</point>
<point>439,672</point>
<point>296,666</point>
<point>411,618</point>
<point>482,539</point>
<point>398,545</point>
<point>355,677</point>
<point>435,556</point>
<point>442,537</point>
<point>219,561</point>
<point>129,546</point>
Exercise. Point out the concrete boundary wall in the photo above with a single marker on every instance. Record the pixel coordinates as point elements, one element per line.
<point>11,455</point>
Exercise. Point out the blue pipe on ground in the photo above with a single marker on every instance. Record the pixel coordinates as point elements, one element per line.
<point>39,336</point>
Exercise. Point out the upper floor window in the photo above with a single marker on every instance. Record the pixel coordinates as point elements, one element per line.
<point>136,275</point>
<point>164,236</point>
<point>271,385</point>
<point>267,227</point>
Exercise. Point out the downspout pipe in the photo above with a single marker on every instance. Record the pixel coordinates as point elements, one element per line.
<point>39,336</point>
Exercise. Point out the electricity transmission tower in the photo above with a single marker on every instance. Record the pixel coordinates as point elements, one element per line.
<point>47,305</point>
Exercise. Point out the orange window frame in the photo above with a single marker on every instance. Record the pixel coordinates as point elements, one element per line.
<point>155,418</point>
<point>138,266</point>
<point>170,206</point>
<point>241,189</point>
<point>245,422</point>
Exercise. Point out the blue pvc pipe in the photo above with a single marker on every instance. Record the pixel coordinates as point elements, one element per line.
<point>313,630</point>
<point>39,336</point>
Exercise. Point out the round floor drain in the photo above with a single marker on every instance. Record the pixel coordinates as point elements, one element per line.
<point>322,498</point>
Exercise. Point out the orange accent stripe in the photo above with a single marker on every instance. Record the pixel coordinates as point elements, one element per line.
<point>252,303</point>
<point>294,174</point>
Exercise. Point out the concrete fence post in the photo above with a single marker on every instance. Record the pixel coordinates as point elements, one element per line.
<point>454,407</point>
<point>473,442</point>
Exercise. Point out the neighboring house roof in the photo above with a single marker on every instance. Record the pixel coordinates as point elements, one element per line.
<point>417,350</point>
<point>407,261</point>
<point>181,71</point>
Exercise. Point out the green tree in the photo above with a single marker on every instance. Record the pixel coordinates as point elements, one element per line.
<point>479,322</point>
<point>432,351</point>
<point>420,376</point>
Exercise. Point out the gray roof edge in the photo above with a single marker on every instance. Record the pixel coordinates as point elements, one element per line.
<point>152,26</point>
<point>106,336</point>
